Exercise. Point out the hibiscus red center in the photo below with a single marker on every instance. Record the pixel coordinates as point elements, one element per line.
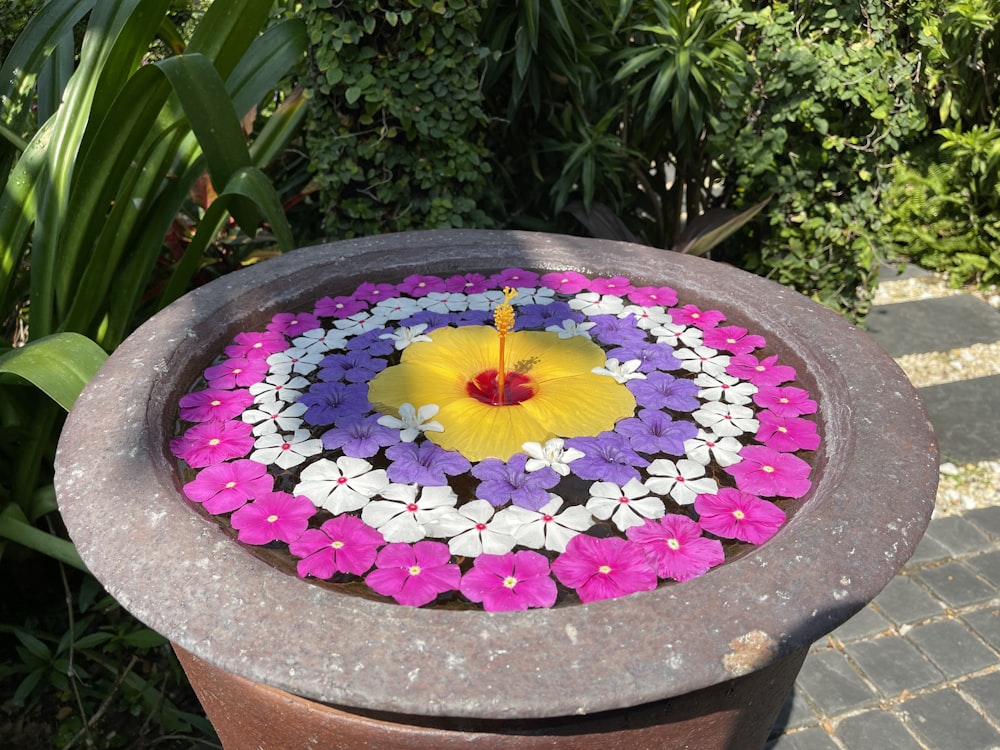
<point>483,387</point>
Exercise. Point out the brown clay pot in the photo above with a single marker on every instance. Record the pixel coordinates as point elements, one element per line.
<point>281,663</point>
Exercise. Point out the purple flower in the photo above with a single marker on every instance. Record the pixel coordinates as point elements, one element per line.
<point>662,391</point>
<point>354,367</point>
<point>339,307</point>
<point>762,372</point>
<point>414,575</point>
<point>433,320</point>
<point>604,568</point>
<point>273,516</point>
<point>470,283</point>
<point>652,355</point>
<point>514,277</point>
<point>785,401</point>
<point>212,443</point>
<point>236,372</point>
<point>606,458</point>
<point>612,330</point>
<point>565,282</point>
<point>257,345</point>
<point>473,318</point>
<point>375,292</point>
<point>676,548</point>
<point>221,488</point>
<point>418,285</point>
<point>769,473</point>
<point>330,403</point>
<point>344,544</point>
<point>788,434</point>
<point>531,317</point>
<point>371,342</point>
<point>649,296</point>
<point>732,514</point>
<point>655,431</point>
<point>424,463</point>
<point>504,482</point>
<point>514,581</point>
<point>360,438</point>
<point>214,405</point>
<point>293,324</point>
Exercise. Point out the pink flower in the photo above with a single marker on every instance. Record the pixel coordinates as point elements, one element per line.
<point>616,285</point>
<point>418,285</point>
<point>692,315</point>
<point>787,434</point>
<point>785,401</point>
<point>733,339</point>
<point>511,581</point>
<point>470,283</point>
<point>732,514</point>
<point>257,345</point>
<point>338,307</point>
<point>566,282</point>
<point>374,292</point>
<point>344,544</point>
<point>648,296</point>
<point>414,575</point>
<point>214,405</point>
<point>767,472</point>
<point>236,372</point>
<point>514,277</point>
<point>762,372</point>
<point>212,443</point>
<point>676,547</point>
<point>273,516</point>
<point>221,488</point>
<point>604,568</point>
<point>293,324</point>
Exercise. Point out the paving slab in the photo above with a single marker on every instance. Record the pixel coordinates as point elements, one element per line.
<point>807,739</point>
<point>986,623</point>
<point>952,647</point>
<point>986,519</point>
<point>903,601</point>
<point>833,684</point>
<point>986,565</point>
<point>966,418</point>
<point>985,693</point>
<point>931,325</point>
<point>945,721</point>
<point>875,729</point>
<point>894,665</point>
<point>956,585</point>
<point>957,535</point>
<point>867,623</point>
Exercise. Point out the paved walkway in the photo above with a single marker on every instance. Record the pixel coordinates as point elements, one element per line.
<point>919,668</point>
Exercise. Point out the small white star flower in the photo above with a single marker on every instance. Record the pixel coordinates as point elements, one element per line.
<point>622,372</point>
<point>403,336</point>
<point>411,422</point>
<point>553,455</point>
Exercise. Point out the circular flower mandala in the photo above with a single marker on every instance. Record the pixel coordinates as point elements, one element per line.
<point>504,442</point>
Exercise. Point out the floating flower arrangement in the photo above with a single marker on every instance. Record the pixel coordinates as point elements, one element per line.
<point>512,441</point>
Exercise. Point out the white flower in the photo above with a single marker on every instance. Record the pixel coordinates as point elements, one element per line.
<point>532,296</point>
<point>703,359</point>
<point>274,416</point>
<point>401,516</point>
<point>545,527</point>
<point>412,422</point>
<point>343,486</point>
<point>708,445</point>
<point>359,323</point>
<point>285,451</point>
<point>592,303</point>
<point>647,317</point>
<point>444,302</point>
<point>621,371</point>
<point>469,532</point>
<point>320,340</point>
<point>570,328</point>
<point>553,455</point>
<point>299,361</point>
<point>726,420</point>
<point>683,480</point>
<point>403,336</point>
<point>278,388</point>
<point>674,334</point>
<point>395,308</point>
<point>724,387</point>
<point>485,300</point>
<point>626,506</point>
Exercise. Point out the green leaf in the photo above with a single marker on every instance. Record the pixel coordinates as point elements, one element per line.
<point>144,638</point>
<point>15,527</point>
<point>60,365</point>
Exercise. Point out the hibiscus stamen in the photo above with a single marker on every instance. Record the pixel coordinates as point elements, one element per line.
<point>503,319</point>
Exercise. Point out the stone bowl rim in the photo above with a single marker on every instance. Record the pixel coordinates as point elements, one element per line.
<point>871,501</point>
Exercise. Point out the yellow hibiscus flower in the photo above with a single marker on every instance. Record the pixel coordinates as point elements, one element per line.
<point>550,389</point>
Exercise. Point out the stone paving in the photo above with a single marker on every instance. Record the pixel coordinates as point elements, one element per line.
<point>919,668</point>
